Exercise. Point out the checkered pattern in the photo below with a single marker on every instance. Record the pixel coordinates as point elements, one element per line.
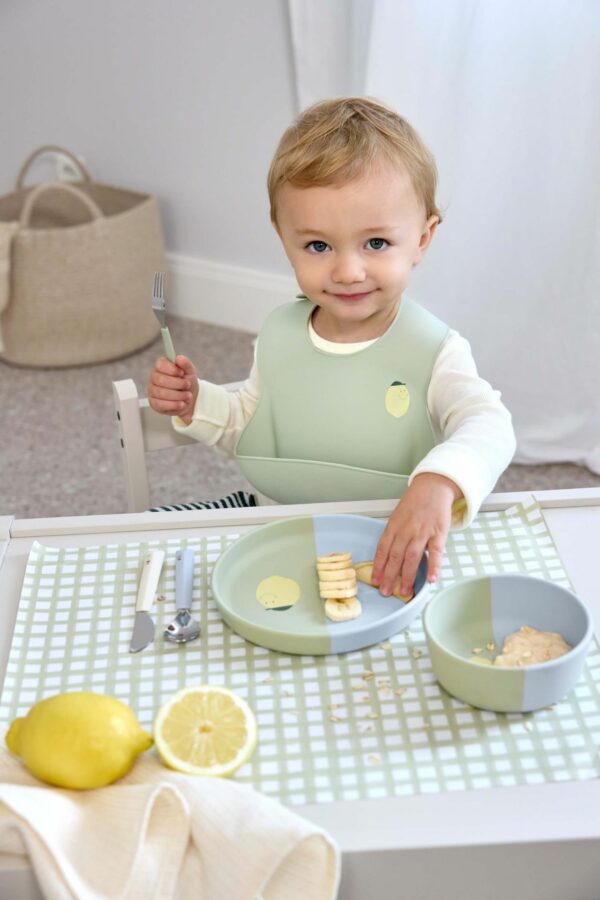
<point>368,724</point>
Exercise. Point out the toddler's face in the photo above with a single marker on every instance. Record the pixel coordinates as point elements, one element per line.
<point>353,247</point>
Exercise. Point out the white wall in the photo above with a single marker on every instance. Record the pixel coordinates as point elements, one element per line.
<point>185,99</point>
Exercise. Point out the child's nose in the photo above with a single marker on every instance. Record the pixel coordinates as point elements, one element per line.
<point>348,269</point>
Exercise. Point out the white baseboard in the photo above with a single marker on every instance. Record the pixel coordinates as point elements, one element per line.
<point>223,294</point>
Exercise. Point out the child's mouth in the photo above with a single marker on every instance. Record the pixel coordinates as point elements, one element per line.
<point>349,297</point>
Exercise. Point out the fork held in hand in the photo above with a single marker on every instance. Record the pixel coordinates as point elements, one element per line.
<point>158,305</point>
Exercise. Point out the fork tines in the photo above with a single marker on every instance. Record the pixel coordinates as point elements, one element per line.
<point>158,290</point>
<point>158,298</point>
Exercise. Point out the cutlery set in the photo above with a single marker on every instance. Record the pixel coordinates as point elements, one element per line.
<point>184,627</point>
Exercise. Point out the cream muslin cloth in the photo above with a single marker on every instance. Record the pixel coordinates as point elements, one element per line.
<point>159,834</point>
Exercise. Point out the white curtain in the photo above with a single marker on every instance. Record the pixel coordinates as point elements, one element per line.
<point>330,42</point>
<point>507,95</point>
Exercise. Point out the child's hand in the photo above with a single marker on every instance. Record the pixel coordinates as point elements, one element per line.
<point>420,521</point>
<point>173,387</point>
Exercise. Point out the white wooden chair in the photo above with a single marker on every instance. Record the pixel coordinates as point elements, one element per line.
<point>142,430</point>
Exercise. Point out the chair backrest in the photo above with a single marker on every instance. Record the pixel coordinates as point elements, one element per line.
<point>142,430</point>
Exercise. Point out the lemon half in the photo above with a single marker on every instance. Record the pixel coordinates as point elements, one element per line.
<point>205,730</point>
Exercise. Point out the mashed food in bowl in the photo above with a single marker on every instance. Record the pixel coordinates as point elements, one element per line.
<point>528,646</point>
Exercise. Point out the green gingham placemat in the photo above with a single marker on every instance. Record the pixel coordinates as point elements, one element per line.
<point>367,724</point>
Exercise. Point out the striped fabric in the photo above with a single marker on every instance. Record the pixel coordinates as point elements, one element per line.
<point>236,500</point>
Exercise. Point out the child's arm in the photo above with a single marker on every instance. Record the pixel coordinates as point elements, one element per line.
<point>209,413</point>
<point>476,442</point>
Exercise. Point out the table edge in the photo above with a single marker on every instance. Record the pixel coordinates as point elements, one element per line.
<point>147,521</point>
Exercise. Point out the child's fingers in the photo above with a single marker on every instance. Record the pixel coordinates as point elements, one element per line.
<point>164,366</point>
<point>393,566</point>
<point>402,564</point>
<point>381,557</point>
<point>170,395</point>
<point>436,555</point>
<point>410,565</point>
<point>169,406</point>
<point>170,388</point>
<point>160,395</point>
<point>169,382</point>
<point>186,366</point>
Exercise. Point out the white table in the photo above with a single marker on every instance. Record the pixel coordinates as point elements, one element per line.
<point>539,842</point>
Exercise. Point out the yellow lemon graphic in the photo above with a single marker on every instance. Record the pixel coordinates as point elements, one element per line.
<point>397,399</point>
<point>277,592</point>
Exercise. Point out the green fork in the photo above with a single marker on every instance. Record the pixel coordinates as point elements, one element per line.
<point>159,307</point>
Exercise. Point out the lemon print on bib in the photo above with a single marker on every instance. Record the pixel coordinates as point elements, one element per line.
<point>397,399</point>
<point>277,592</point>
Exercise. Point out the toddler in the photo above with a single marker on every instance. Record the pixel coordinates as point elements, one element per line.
<point>356,391</point>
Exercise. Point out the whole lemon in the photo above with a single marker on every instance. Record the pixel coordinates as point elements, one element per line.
<point>78,740</point>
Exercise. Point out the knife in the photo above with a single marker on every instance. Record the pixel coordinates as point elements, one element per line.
<point>143,627</point>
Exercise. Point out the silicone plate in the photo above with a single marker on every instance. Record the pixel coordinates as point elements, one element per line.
<point>278,561</point>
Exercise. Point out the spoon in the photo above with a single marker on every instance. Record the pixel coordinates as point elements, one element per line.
<point>184,627</point>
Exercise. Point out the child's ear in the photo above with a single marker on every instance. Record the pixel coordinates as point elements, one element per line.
<point>426,237</point>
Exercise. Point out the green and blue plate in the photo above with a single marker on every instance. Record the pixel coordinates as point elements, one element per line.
<point>266,587</point>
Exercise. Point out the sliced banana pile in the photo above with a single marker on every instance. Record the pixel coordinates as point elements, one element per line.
<point>338,586</point>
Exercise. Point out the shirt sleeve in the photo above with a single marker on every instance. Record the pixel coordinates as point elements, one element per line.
<point>474,429</point>
<point>220,415</point>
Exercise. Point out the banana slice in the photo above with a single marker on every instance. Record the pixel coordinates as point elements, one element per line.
<point>337,593</point>
<point>343,584</point>
<point>342,610</point>
<point>335,574</point>
<point>364,573</point>
<point>335,558</point>
<point>334,567</point>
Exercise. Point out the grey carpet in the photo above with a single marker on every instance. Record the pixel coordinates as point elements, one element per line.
<point>60,454</point>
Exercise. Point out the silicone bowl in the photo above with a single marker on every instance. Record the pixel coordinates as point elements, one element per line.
<point>475,612</point>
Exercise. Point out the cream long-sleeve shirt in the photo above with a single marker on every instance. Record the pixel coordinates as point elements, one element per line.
<point>476,441</point>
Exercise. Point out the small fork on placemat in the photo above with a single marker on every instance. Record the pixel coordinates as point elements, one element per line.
<point>159,307</point>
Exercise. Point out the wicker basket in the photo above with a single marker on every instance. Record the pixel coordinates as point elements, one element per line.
<point>76,267</point>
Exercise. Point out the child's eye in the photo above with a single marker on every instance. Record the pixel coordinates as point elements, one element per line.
<point>377,243</point>
<point>317,246</point>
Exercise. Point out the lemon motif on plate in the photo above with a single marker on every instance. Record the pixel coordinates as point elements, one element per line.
<point>397,399</point>
<point>277,592</point>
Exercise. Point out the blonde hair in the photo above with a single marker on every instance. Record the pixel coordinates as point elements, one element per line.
<point>336,141</point>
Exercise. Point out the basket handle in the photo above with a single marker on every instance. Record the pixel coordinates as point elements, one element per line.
<point>38,190</point>
<point>50,148</point>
